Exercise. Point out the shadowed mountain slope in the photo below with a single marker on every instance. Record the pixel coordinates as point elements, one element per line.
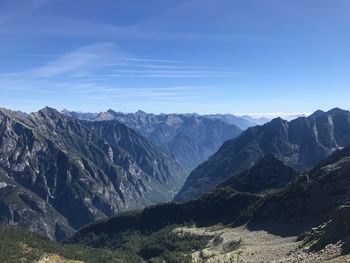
<point>267,174</point>
<point>301,144</point>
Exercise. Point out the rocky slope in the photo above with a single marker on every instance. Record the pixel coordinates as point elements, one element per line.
<point>81,169</point>
<point>222,205</point>
<point>335,231</point>
<point>190,138</point>
<point>301,144</point>
<point>311,200</point>
<point>22,208</point>
<point>316,198</point>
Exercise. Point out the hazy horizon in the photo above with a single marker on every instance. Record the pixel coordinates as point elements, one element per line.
<point>254,115</point>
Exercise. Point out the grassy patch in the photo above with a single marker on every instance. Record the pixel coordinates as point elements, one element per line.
<point>22,246</point>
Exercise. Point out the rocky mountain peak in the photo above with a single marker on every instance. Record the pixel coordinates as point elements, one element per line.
<point>141,113</point>
<point>276,122</point>
<point>338,111</point>
<point>49,111</point>
<point>317,114</point>
<point>12,114</point>
<point>111,111</point>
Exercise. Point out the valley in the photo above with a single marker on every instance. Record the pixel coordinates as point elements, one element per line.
<point>174,131</point>
<point>272,211</point>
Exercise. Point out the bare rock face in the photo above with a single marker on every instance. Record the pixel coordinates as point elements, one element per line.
<point>301,144</point>
<point>335,231</point>
<point>22,208</point>
<point>79,170</point>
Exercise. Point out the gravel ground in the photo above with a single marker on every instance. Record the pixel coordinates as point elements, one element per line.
<point>231,245</point>
<point>56,259</point>
<point>331,253</point>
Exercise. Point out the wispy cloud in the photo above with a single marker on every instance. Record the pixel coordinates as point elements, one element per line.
<point>79,60</point>
<point>95,72</point>
<point>104,61</point>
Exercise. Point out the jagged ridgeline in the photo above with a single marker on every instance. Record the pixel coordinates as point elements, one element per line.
<point>59,173</point>
<point>301,144</point>
<point>190,138</point>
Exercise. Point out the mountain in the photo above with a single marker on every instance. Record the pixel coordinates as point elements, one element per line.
<point>22,208</point>
<point>152,233</point>
<point>267,174</point>
<point>80,115</point>
<point>316,202</point>
<point>301,144</point>
<point>222,205</point>
<point>190,138</point>
<point>310,201</point>
<point>76,172</point>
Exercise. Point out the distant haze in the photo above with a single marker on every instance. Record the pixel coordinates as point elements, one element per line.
<point>271,115</point>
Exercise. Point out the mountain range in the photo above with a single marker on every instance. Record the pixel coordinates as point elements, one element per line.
<point>312,205</point>
<point>190,138</point>
<point>76,178</point>
<point>301,144</point>
<point>59,173</point>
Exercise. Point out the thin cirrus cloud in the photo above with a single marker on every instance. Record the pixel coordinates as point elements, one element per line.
<point>103,60</point>
<point>79,60</point>
<point>93,72</point>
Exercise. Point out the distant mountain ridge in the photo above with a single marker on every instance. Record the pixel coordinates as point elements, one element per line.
<point>191,138</point>
<point>77,171</point>
<point>243,122</point>
<point>301,143</point>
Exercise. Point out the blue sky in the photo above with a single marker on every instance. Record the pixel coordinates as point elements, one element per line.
<point>206,56</point>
